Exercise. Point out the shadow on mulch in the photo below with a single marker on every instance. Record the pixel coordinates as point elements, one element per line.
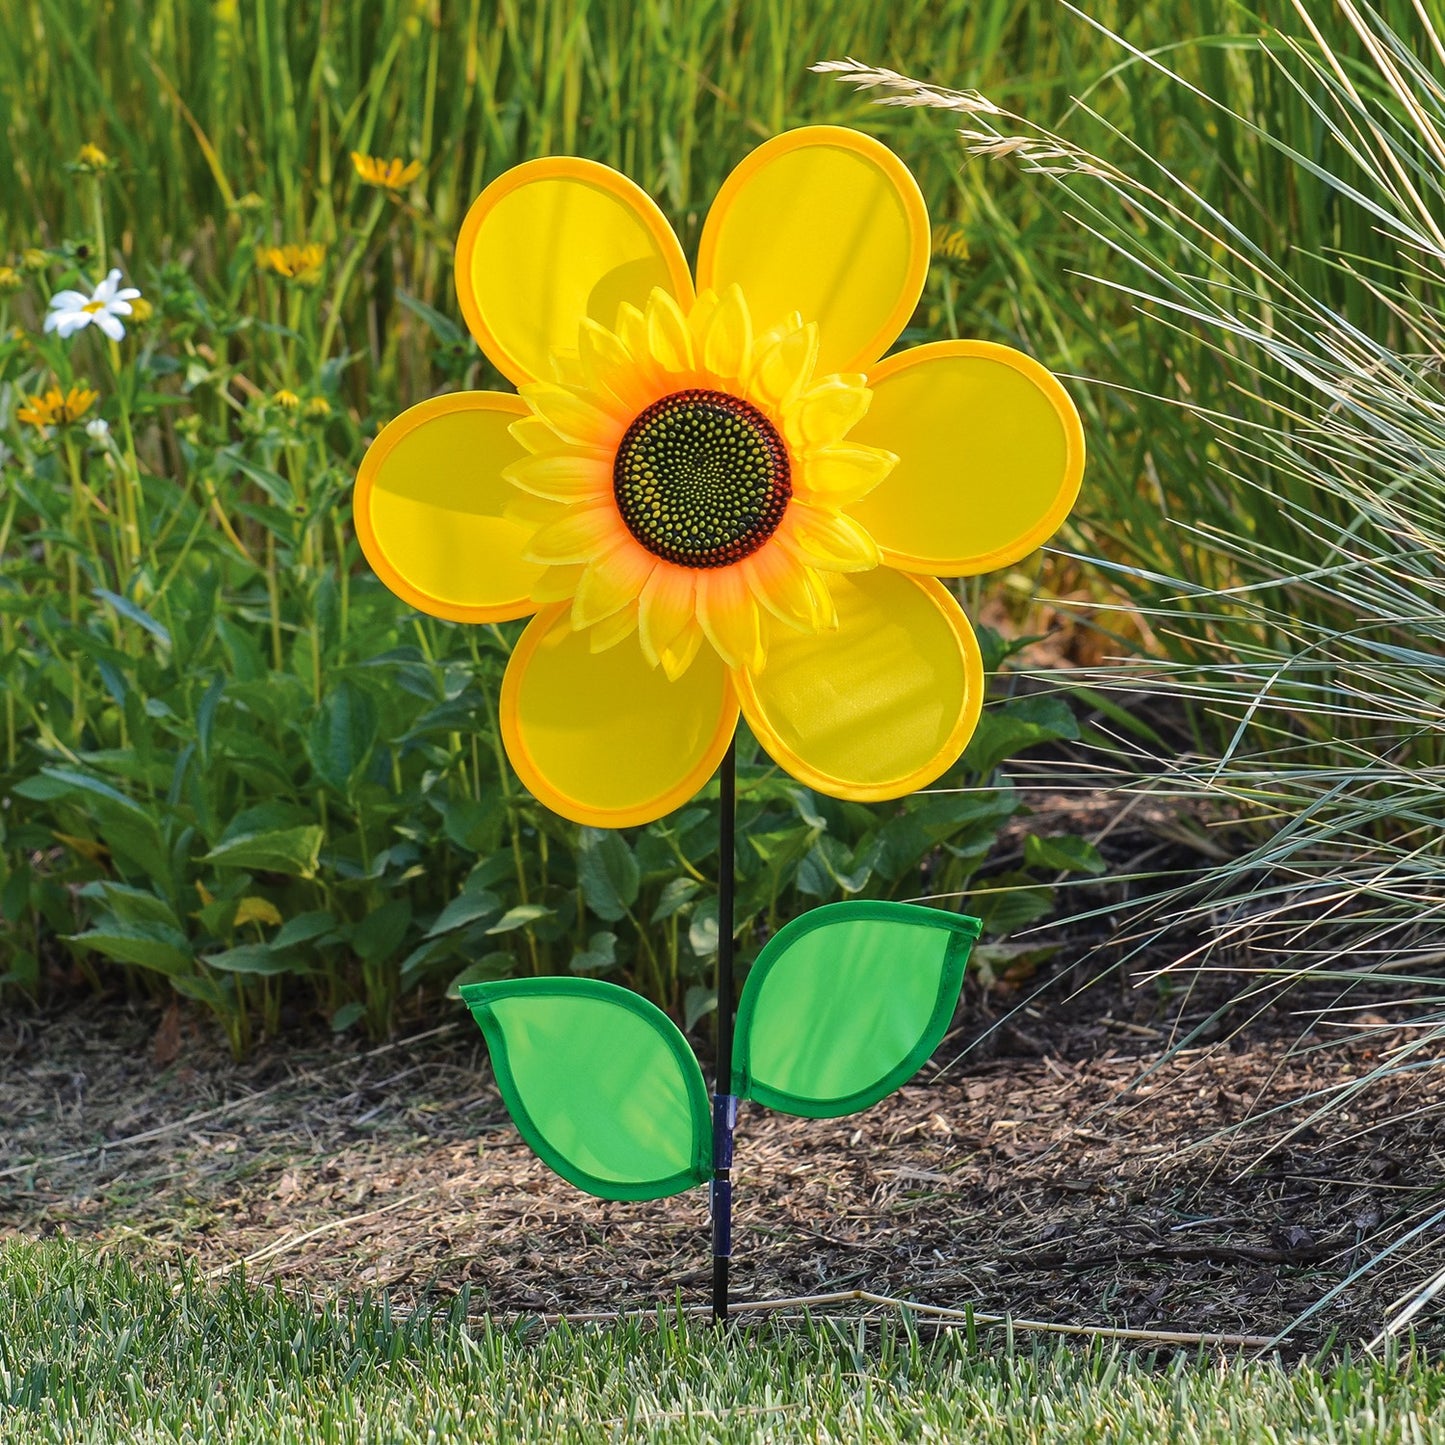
<point>1036,1168</point>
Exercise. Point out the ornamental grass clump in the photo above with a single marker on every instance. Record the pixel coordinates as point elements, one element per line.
<point>1295,575</point>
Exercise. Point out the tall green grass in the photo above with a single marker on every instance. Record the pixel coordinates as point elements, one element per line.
<point>229,119</point>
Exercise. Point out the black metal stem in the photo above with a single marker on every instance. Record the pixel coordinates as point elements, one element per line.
<point>724,1111</point>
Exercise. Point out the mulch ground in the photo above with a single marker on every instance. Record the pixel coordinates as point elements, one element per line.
<point>1044,1164</point>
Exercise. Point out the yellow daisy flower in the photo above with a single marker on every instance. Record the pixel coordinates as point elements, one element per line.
<point>56,407</point>
<point>718,496</point>
<point>392,175</point>
<point>301,264</point>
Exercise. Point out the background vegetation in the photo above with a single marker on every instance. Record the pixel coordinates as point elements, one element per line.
<point>234,763</point>
<point>232,760</point>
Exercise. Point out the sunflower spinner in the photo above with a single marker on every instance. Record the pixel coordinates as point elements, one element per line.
<point>716,496</point>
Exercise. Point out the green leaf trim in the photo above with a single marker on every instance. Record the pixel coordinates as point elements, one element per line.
<point>480,997</point>
<point>964,931</point>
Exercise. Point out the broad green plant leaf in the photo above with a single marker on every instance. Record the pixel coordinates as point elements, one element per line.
<point>150,945</point>
<point>282,850</point>
<point>608,873</point>
<point>846,1003</point>
<point>599,1082</point>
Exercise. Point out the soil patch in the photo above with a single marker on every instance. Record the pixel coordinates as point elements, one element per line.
<point>1045,1164</point>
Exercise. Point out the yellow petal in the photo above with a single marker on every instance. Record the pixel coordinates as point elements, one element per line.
<point>550,242</point>
<point>839,475</point>
<point>728,615</point>
<point>666,607</point>
<point>429,508</point>
<point>700,318</point>
<point>829,222</point>
<point>680,653</point>
<point>784,366</point>
<point>571,476</point>
<point>603,738</point>
<point>612,370</point>
<point>727,347</point>
<point>612,630</point>
<point>567,370</point>
<point>991,454</point>
<point>533,434</point>
<point>790,590</point>
<point>573,417</point>
<point>558,584</point>
<point>610,582</point>
<point>668,339</point>
<point>825,413</point>
<point>578,535</point>
<point>880,707</point>
<point>532,511</point>
<point>826,539</point>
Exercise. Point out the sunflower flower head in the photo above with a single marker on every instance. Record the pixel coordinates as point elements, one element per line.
<point>56,407</point>
<point>286,400</point>
<point>394,175</point>
<point>716,493</point>
<point>300,265</point>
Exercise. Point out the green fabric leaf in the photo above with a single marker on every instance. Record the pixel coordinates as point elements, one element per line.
<point>846,1003</point>
<point>599,1082</point>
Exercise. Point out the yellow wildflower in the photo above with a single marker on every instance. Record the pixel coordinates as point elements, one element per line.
<point>392,175</point>
<point>141,310</point>
<point>34,259</point>
<point>318,409</point>
<point>301,264</point>
<point>950,242</point>
<point>57,408</point>
<point>286,400</point>
<point>10,280</point>
<point>92,158</point>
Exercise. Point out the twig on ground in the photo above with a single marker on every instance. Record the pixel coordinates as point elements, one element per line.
<point>934,1312</point>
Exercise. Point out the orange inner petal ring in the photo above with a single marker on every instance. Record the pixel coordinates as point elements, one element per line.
<point>702,478</point>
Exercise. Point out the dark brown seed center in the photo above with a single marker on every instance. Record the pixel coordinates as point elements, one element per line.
<point>701,478</point>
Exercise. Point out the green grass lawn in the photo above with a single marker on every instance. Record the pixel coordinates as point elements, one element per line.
<point>97,1350</point>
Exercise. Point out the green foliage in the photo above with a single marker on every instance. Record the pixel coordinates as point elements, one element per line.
<point>94,1350</point>
<point>234,765</point>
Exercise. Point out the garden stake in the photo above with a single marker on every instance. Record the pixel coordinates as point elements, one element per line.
<point>724,1103</point>
<point>730,503</point>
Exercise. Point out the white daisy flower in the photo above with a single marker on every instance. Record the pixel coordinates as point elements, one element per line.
<point>72,311</point>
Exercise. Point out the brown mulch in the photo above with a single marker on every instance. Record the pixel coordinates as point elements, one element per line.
<point>1038,1166</point>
